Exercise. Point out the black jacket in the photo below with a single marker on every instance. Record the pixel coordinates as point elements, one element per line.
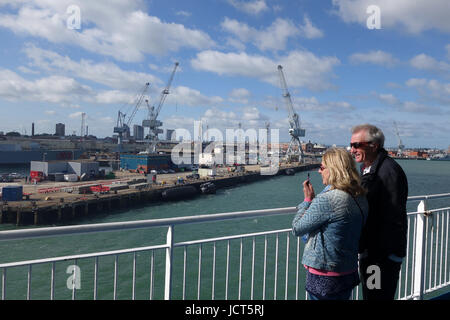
<point>386,227</point>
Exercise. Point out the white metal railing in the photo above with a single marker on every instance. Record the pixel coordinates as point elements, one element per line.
<point>258,265</point>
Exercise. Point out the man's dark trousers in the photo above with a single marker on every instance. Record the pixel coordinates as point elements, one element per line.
<point>389,275</point>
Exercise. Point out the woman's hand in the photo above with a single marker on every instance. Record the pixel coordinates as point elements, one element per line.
<point>308,191</point>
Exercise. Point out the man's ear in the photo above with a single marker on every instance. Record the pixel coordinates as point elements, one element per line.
<point>376,146</point>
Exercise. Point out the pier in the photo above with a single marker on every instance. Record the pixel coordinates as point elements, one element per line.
<point>58,203</point>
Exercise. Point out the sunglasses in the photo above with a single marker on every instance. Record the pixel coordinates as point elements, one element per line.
<point>357,145</point>
<point>321,168</point>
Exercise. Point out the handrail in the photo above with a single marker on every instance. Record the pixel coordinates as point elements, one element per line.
<point>418,261</point>
<point>139,224</point>
<point>428,197</point>
<point>427,211</point>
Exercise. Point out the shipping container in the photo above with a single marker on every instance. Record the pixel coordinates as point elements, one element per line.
<point>12,193</point>
<point>70,177</point>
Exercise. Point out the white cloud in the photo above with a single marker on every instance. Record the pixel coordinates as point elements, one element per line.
<point>112,97</point>
<point>431,90</point>
<point>253,7</point>
<point>106,73</point>
<point>190,97</point>
<point>408,106</point>
<point>240,95</point>
<point>53,89</point>
<point>75,115</point>
<point>389,98</point>
<point>393,85</point>
<point>183,13</point>
<point>118,29</point>
<point>24,69</point>
<point>62,90</point>
<point>427,63</point>
<point>233,64</point>
<point>218,121</point>
<point>216,114</point>
<point>309,31</point>
<point>413,106</point>
<point>375,57</point>
<point>253,114</point>
<point>247,118</point>
<point>275,36</point>
<point>301,68</point>
<point>313,104</point>
<point>413,16</point>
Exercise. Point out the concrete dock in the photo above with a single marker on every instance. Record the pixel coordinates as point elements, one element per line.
<point>61,202</point>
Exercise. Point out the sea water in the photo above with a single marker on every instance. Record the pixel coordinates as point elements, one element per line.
<point>424,177</point>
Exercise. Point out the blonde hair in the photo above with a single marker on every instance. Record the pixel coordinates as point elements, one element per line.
<point>342,171</point>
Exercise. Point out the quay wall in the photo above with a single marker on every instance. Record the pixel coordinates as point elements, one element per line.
<point>63,210</point>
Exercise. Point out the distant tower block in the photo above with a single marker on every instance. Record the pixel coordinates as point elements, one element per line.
<point>60,130</point>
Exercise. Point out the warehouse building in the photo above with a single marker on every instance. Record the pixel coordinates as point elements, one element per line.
<point>55,170</point>
<point>145,162</point>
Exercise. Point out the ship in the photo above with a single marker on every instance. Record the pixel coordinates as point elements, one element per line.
<point>440,158</point>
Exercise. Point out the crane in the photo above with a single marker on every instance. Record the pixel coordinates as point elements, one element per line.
<point>123,125</point>
<point>294,121</point>
<point>400,144</point>
<point>152,123</point>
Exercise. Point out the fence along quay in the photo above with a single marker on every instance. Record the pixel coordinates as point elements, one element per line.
<point>259,265</point>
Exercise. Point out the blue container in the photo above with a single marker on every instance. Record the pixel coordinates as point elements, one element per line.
<point>12,193</point>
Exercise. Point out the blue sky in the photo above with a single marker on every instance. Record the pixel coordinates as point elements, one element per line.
<point>339,71</point>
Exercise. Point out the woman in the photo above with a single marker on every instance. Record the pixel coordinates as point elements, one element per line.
<point>333,221</point>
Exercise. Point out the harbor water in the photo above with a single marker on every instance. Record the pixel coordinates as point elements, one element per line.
<point>424,177</point>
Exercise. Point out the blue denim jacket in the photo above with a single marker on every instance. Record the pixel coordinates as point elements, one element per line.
<point>333,221</point>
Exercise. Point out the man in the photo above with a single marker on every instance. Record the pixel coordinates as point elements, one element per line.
<point>383,239</point>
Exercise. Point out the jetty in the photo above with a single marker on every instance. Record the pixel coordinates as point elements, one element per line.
<point>62,202</point>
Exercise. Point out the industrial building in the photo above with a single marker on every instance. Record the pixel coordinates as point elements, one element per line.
<point>169,135</point>
<point>60,130</point>
<point>145,162</point>
<point>55,170</point>
<point>138,132</point>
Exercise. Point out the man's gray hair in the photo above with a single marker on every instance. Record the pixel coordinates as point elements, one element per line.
<point>373,133</point>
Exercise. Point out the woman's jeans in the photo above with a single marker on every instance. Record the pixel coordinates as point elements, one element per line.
<point>343,295</point>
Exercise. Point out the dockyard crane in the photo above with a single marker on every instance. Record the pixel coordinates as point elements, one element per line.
<point>123,124</point>
<point>152,123</point>
<point>400,144</point>
<point>294,121</point>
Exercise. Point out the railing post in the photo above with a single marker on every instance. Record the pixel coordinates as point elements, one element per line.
<point>419,254</point>
<point>169,255</point>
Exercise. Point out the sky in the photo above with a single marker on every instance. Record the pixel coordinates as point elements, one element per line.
<point>346,62</point>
